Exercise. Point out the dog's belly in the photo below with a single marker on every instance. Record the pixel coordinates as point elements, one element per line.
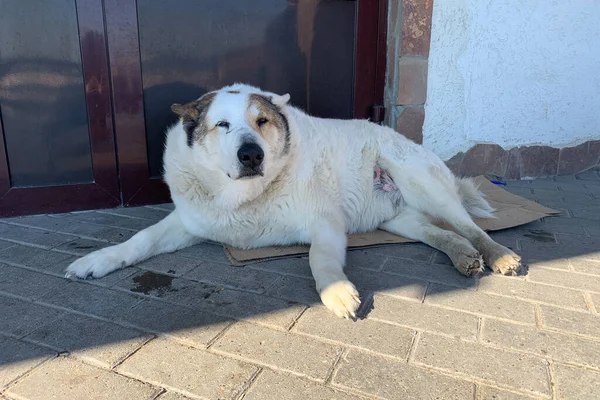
<point>369,203</point>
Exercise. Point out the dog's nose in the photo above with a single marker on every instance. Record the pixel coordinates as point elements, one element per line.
<point>251,155</point>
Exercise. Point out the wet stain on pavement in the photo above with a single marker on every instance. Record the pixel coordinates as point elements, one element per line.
<point>151,281</point>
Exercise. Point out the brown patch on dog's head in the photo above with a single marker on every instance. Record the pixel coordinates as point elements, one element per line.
<point>269,116</point>
<point>193,117</point>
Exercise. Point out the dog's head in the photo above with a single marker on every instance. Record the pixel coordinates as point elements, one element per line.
<point>240,130</point>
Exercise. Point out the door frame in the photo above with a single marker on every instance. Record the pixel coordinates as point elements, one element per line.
<point>137,186</point>
<point>104,191</point>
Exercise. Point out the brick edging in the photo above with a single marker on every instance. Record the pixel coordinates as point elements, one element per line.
<point>525,161</point>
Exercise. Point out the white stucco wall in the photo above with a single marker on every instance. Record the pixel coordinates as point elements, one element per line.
<point>513,72</point>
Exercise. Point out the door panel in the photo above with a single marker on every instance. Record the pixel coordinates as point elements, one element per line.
<point>42,94</point>
<point>56,139</point>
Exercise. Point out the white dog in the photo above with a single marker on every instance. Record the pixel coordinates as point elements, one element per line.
<point>246,169</point>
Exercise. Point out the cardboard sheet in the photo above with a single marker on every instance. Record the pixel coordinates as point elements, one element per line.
<point>511,211</point>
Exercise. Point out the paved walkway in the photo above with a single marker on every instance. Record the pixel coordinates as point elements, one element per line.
<point>188,325</point>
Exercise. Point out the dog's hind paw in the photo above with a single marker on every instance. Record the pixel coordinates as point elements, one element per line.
<point>503,260</point>
<point>342,298</point>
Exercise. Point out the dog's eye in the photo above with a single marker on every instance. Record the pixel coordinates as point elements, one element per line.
<point>223,124</point>
<point>261,121</point>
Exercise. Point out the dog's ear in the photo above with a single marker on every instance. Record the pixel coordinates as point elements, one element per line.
<point>280,101</point>
<point>186,111</point>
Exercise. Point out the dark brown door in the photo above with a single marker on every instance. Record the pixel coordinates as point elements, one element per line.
<point>86,85</point>
<point>57,150</point>
<point>326,53</point>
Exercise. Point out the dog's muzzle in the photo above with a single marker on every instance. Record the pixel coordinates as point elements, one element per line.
<point>251,157</point>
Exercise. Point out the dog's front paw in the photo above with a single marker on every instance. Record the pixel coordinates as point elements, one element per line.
<point>96,264</point>
<point>342,298</point>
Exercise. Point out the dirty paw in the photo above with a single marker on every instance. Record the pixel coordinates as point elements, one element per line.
<point>507,264</point>
<point>342,298</point>
<point>469,265</point>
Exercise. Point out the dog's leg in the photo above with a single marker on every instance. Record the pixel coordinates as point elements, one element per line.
<point>326,257</point>
<point>166,236</point>
<point>431,189</point>
<point>414,225</point>
<point>499,258</point>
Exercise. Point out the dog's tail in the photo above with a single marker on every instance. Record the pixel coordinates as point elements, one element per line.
<point>473,200</point>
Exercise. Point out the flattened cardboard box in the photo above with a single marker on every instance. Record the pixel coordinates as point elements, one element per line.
<point>511,211</point>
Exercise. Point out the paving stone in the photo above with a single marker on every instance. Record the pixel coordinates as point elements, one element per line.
<point>21,317</point>
<point>365,259</point>
<point>26,283</point>
<point>163,206</point>
<point>176,290</point>
<point>253,307</point>
<point>520,371</point>
<point>379,376</point>
<point>108,220</point>
<point>588,175</point>
<point>570,321</point>
<point>424,317</point>
<point>101,343</point>
<point>92,231</point>
<point>31,256</point>
<point>367,333</point>
<point>271,385</point>
<point>205,252</point>
<point>565,278</point>
<point>282,350</point>
<point>576,383</point>
<point>393,285</point>
<point>32,236</point>
<point>301,290</point>
<point>172,396</point>
<point>480,303</point>
<point>569,226</point>
<point>445,274</point>
<point>190,371</point>
<point>581,247</point>
<point>577,186</point>
<point>194,326</point>
<point>541,194</point>
<point>545,254</point>
<point>90,299</point>
<point>585,214</point>
<point>66,378</point>
<point>98,232</point>
<point>16,358</point>
<point>234,277</point>
<point>81,246</point>
<point>168,264</point>
<point>593,231</point>
<point>40,221</point>
<point>521,289</point>
<point>593,188</point>
<point>153,214</point>
<point>5,245</point>
<point>411,251</point>
<point>491,393</point>
<point>557,346</point>
<point>298,266</point>
<point>596,300</point>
